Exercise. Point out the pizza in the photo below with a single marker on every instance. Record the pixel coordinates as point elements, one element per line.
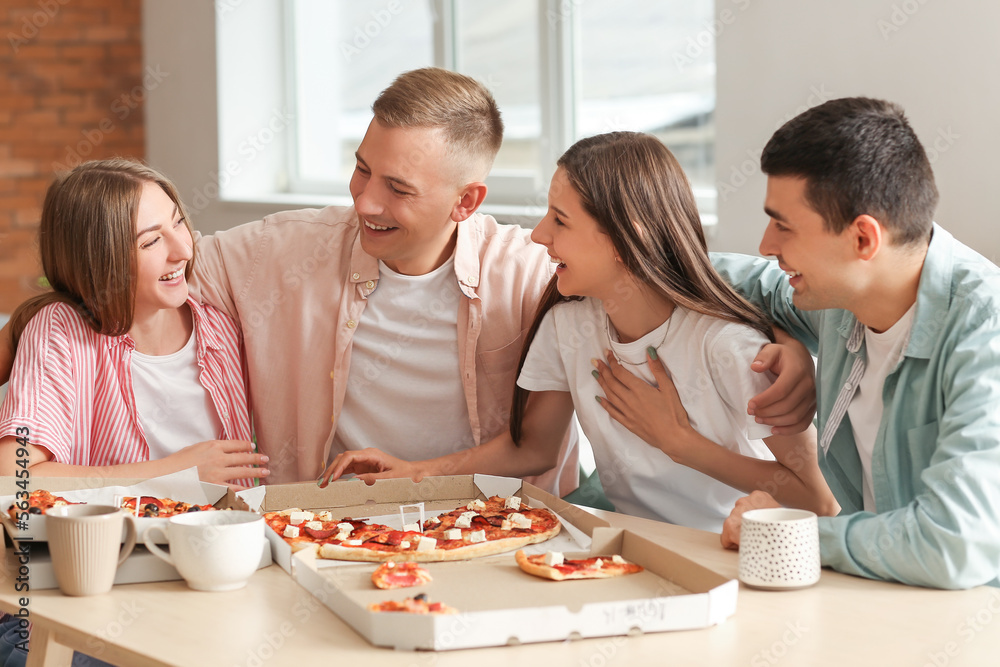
<point>553,566</point>
<point>480,528</point>
<point>400,575</point>
<point>39,500</point>
<point>414,605</point>
<point>160,507</point>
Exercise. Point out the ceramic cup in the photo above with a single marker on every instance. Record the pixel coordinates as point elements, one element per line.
<point>86,546</point>
<point>779,549</point>
<point>213,551</point>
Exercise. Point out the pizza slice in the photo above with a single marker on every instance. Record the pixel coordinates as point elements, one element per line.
<point>150,507</point>
<point>414,605</point>
<point>400,575</point>
<point>39,500</point>
<point>554,566</point>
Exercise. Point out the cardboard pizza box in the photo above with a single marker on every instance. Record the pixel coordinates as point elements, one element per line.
<point>183,485</point>
<point>498,603</point>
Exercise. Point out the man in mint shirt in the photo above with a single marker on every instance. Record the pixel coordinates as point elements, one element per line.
<point>905,321</point>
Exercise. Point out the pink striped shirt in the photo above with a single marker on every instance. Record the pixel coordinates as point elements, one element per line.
<point>72,387</point>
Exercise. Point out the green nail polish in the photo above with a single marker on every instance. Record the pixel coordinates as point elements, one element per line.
<point>652,353</point>
<point>597,398</point>
<point>595,374</point>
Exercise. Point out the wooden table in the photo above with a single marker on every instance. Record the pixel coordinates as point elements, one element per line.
<point>841,621</point>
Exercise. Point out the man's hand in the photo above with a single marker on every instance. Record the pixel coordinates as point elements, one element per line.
<point>222,461</point>
<point>730,537</point>
<point>790,403</point>
<point>368,464</point>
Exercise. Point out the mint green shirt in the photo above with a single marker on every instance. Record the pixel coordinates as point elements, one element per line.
<point>936,460</point>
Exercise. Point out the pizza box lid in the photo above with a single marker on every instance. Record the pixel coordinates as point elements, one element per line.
<point>499,604</point>
<point>356,499</point>
<point>183,485</point>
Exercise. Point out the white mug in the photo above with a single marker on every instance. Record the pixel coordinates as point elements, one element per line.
<point>214,550</point>
<point>86,546</point>
<point>779,549</point>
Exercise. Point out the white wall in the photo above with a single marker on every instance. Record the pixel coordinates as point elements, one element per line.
<point>775,58</point>
<point>938,59</point>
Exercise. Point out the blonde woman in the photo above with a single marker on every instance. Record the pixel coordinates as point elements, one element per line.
<point>118,372</point>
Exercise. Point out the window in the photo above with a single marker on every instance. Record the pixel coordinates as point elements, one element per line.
<point>559,69</point>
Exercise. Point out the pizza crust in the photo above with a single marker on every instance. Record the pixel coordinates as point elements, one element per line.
<point>527,564</point>
<point>480,550</point>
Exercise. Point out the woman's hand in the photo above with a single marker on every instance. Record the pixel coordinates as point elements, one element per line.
<point>790,403</point>
<point>222,461</point>
<point>652,411</point>
<point>368,464</point>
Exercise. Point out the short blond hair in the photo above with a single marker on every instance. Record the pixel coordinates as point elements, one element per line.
<point>438,98</point>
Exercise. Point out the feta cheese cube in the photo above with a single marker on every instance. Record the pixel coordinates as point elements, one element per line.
<point>343,536</point>
<point>598,564</point>
<point>411,528</point>
<point>465,520</point>
<point>345,527</point>
<point>426,543</point>
<point>300,517</point>
<point>325,515</point>
<point>512,503</point>
<point>314,525</point>
<point>505,524</point>
<point>291,531</point>
<point>618,560</point>
<point>353,543</point>
<point>476,505</point>
<point>477,536</point>
<point>453,534</point>
<point>432,520</point>
<point>518,520</point>
<point>553,558</point>
<point>404,545</point>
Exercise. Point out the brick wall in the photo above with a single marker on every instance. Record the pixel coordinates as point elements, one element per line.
<point>71,89</point>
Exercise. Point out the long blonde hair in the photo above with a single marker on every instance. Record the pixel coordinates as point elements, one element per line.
<point>88,243</point>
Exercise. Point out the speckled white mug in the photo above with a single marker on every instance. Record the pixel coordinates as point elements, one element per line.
<point>779,549</point>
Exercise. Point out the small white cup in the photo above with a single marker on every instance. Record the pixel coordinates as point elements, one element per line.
<point>86,546</point>
<point>213,551</point>
<point>779,549</point>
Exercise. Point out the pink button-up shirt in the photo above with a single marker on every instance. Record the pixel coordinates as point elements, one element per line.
<point>72,387</point>
<point>297,283</point>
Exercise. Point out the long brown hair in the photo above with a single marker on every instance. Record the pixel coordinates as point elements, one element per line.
<point>636,191</point>
<point>88,244</point>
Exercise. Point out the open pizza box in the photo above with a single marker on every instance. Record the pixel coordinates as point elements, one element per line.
<point>499,604</point>
<point>29,546</point>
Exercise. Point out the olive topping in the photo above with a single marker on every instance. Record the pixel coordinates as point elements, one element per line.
<point>150,510</point>
<point>34,510</point>
<point>422,597</point>
<point>194,508</point>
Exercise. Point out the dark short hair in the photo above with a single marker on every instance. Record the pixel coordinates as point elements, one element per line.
<point>859,156</point>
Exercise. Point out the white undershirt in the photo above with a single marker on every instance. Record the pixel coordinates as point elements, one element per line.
<point>174,408</point>
<point>404,386</point>
<point>884,350</point>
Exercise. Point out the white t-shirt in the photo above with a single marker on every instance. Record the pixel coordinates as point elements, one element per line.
<point>709,362</point>
<point>175,410</point>
<point>883,350</point>
<point>404,386</point>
